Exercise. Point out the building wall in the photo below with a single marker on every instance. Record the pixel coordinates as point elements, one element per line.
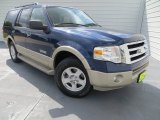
<point>124,15</point>
<point>151,26</point>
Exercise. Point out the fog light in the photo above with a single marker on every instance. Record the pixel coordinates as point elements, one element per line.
<point>118,78</point>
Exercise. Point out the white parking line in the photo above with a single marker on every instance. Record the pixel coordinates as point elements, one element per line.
<point>25,114</point>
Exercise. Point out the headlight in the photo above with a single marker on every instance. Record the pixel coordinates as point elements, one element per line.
<point>112,54</point>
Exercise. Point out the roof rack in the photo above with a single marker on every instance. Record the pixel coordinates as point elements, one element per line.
<point>27,5</point>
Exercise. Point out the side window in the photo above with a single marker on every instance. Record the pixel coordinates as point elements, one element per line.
<point>11,18</point>
<point>24,18</point>
<point>37,14</point>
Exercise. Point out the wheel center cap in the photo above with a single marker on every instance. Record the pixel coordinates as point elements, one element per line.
<point>72,77</point>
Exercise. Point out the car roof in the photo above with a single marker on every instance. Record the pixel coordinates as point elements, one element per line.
<point>61,6</point>
<point>38,5</point>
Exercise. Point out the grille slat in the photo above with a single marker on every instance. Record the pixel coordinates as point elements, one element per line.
<point>133,52</point>
<point>137,54</point>
<point>135,45</point>
<point>137,57</point>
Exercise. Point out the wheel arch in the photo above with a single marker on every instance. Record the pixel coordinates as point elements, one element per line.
<point>9,39</point>
<point>71,51</point>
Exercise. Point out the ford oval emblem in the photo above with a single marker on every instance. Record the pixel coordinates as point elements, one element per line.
<point>139,51</point>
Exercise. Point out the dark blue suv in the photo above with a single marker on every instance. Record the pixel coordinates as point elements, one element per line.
<point>68,44</point>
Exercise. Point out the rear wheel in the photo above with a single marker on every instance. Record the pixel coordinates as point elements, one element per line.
<point>13,53</point>
<point>72,78</point>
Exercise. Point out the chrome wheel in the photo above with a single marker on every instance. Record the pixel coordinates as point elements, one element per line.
<point>73,79</point>
<point>13,52</point>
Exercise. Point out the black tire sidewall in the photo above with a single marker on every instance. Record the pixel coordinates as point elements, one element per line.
<point>16,58</point>
<point>72,62</point>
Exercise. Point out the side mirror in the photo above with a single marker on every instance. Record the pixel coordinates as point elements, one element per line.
<point>37,25</point>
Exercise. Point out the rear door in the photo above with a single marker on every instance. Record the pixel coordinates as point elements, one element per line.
<point>21,27</point>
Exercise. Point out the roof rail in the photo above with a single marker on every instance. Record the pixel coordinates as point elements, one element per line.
<point>27,5</point>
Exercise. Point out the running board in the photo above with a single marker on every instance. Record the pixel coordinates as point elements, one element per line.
<point>36,65</point>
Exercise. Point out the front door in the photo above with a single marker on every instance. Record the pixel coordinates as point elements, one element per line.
<point>38,41</point>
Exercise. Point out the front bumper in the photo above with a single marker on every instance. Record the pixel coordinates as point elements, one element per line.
<point>108,81</point>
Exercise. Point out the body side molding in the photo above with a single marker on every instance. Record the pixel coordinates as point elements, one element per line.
<point>40,58</point>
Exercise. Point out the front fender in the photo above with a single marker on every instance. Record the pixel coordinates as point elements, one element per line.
<point>83,54</point>
<point>75,49</point>
<point>79,52</point>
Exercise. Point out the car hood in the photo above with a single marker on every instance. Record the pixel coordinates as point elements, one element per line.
<point>98,34</point>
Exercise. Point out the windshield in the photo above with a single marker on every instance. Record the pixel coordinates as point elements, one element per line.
<point>61,16</point>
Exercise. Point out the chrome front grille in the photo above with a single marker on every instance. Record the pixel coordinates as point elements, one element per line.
<point>134,52</point>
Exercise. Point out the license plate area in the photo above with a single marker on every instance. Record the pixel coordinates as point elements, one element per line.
<point>142,76</point>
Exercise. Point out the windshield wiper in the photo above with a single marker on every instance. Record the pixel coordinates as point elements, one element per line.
<point>62,24</point>
<point>92,24</point>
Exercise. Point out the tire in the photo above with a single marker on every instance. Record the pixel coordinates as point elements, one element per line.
<point>13,53</point>
<point>72,78</point>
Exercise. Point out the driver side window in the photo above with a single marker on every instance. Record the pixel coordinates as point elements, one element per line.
<point>37,14</point>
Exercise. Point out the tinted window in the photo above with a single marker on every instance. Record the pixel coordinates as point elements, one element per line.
<point>37,14</point>
<point>24,18</point>
<point>60,15</point>
<point>11,18</point>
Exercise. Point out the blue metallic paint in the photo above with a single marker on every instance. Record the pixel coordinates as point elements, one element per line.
<point>84,39</point>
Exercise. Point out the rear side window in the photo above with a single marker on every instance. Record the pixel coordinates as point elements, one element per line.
<point>11,18</point>
<point>24,18</point>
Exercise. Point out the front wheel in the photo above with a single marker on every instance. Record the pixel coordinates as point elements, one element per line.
<point>72,78</point>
